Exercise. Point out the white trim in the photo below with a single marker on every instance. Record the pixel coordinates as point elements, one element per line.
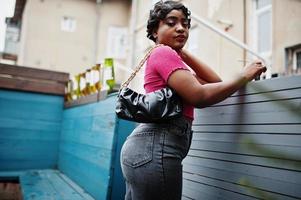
<point>263,9</point>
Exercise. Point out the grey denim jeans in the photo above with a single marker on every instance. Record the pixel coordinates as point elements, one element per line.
<point>151,160</point>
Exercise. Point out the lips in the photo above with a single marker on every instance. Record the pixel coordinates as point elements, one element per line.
<point>182,37</point>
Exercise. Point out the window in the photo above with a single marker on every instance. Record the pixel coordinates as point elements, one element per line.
<point>263,26</point>
<point>293,59</point>
<point>68,24</point>
<point>11,39</point>
<point>117,39</point>
<point>261,31</point>
<point>297,60</point>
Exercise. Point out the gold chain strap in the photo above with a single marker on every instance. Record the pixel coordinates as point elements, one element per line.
<point>137,69</point>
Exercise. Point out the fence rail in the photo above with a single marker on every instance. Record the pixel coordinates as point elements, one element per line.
<point>33,80</point>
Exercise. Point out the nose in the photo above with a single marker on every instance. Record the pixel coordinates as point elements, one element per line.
<point>180,27</point>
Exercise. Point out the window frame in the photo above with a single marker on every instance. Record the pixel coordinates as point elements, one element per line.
<point>295,58</point>
<point>68,24</point>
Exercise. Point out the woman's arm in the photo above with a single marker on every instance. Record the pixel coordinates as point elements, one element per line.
<point>198,95</point>
<point>203,71</point>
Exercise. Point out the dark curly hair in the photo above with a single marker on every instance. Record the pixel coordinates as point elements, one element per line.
<point>161,9</point>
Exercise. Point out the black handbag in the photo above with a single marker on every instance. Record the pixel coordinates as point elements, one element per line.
<point>158,106</point>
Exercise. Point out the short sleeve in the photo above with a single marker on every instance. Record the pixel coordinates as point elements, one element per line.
<point>164,60</point>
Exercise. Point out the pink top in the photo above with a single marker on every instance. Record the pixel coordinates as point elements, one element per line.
<point>162,62</point>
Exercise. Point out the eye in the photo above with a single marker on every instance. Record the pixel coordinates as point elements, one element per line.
<point>185,23</point>
<point>170,22</point>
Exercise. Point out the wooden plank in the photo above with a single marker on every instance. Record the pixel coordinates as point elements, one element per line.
<point>9,95</point>
<point>17,109</point>
<point>21,71</point>
<point>237,178</point>
<point>50,184</point>
<point>279,163</point>
<point>29,124</point>
<point>291,106</point>
<point>87,99</point>
<point>275,84</point>
<point>33,86</point>
<point>195,191</point>
<point>76,187</point>
<point>268,139</point>
<point>272,174</point>
<point>28,149</point>
<point>21,164</point>
<point>21,134</point>
<point>98,156</point>
<point>87,175</point>
<point>102,140</point>
<point>234,147</point>
<point>251,119</point>
<point>62,186</point>
<point>235,191</point>
<point>206,191</point>
<point>284,129</point>
<point>262,97</point>
<point>239,182</point>
<point>10,190</point>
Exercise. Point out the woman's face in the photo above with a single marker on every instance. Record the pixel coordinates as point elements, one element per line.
<point>173,30</point>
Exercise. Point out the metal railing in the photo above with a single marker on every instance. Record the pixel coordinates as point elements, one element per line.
<point>226,36</point>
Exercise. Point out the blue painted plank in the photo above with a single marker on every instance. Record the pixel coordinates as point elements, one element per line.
<point>30,96</point>
<point>19,133</point>
<point>98,156</point>
<point>23,109</point>
<point>94,138</point>
<point>28,149</point>
<point>29,124</point>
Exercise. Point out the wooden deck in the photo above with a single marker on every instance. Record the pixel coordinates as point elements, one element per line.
<point>50,184</point>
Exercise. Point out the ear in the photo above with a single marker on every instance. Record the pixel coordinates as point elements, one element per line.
<point>155,35</point>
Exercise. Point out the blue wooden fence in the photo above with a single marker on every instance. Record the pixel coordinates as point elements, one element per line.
<point>83,142</point>
<point>90,145</point>
<point>30,126</point>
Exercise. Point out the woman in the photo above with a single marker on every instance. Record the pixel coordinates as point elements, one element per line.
<point>151,156</point>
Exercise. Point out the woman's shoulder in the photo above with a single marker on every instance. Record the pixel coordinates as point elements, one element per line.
<point>165,51</point>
